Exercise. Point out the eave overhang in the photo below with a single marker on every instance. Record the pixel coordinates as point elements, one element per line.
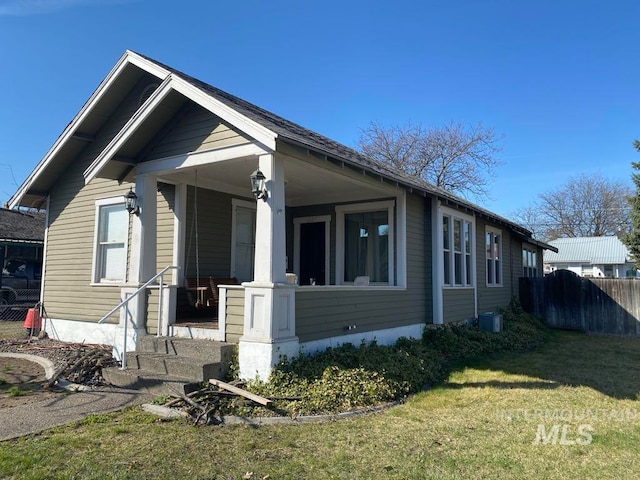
<point>34,190</point>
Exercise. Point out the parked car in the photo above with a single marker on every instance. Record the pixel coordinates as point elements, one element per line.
<point>20,282</point>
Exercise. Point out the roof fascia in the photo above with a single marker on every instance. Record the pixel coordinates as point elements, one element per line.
<point>128,129</point>
<point>265,137</point>
<point>127,58</point>
<point>543,245</point>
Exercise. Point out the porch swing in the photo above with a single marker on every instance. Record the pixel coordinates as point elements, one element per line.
<point>200,299</point>
<point>198,295</point>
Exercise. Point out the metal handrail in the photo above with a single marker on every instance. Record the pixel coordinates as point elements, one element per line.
<point>125,303</point>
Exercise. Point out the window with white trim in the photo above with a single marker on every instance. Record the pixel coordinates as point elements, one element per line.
<point>365,242</point>
<point>493,247</point>
<point>529,263</point>
<point>110,246</point>
<point>457,251</point>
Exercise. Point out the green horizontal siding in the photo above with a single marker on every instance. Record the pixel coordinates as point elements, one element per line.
<point>69,251</point>
<point>323,314</point>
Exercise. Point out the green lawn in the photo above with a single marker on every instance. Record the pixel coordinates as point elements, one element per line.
<point>482,423</point>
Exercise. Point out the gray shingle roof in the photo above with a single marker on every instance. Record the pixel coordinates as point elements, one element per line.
<point>294,133</point>
<point>21,226</point>
<point>592,250</point>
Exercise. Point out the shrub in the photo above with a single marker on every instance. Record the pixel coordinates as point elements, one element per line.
<point>348,376</point>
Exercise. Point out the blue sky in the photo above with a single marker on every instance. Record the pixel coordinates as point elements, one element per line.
<point>559,79</point>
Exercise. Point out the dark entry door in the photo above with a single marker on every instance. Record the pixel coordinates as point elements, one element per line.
<point>312,253</point>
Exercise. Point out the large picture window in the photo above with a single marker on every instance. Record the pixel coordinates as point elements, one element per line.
<point>366,246</point>
<point>493,247</point>
<point>110,252</point>
<point>366,242</point>
<point>457,251</point>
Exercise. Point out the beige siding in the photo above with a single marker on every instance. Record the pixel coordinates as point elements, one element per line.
<point>67,292</point>
<point>165,225</point>
<point>322,314</point>
<point>152,310</point>
<point>235,315</point>
<point>198,130</point>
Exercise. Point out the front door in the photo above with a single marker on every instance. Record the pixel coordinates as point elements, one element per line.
<point>312,253</point>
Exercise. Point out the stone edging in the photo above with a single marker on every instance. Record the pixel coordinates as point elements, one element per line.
<point>49,370</point>
<point>167,412</point>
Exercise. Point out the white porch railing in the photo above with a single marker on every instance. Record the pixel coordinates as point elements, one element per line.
<point>125,304</point>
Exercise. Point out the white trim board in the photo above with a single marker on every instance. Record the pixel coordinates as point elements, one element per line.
<point>387,336</point>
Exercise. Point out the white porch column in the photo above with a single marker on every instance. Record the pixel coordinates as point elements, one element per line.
<point>269,308</point>
<point>142,260</point>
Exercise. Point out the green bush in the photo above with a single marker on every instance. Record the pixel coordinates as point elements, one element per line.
<point>348,376</point>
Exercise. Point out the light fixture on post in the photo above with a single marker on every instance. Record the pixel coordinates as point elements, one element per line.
<point>258,185</point>
<point>131,202</point>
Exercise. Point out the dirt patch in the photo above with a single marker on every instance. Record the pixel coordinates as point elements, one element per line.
<point>22,382</point>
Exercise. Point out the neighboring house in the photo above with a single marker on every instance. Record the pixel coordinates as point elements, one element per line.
<point>21,244</point>
<point>376,253</point>
<point>590,257</point>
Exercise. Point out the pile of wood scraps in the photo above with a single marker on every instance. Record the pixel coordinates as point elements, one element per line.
<point>205,406</point>
<point>84,364</point>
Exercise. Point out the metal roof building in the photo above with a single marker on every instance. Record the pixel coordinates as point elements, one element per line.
<point>590,256</point>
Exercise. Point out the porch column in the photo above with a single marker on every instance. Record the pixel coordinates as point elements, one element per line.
<point>269,308</point>
<point>142,261</point>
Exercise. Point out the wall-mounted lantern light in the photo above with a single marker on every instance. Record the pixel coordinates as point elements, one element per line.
<point>131,202</point>
<point>258,185</point>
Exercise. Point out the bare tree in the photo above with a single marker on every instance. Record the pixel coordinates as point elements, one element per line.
<point>585,206</point>
<point>458,159</point>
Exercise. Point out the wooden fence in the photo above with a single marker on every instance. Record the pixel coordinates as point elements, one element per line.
<point>601,305</point>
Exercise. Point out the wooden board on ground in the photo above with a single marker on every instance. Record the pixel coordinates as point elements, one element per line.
<point>240,391</point>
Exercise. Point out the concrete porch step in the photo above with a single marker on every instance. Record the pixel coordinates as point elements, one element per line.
<point>186,347</point>
<point>166,364</point>
<point>195,369</point>
<point>151,382</point>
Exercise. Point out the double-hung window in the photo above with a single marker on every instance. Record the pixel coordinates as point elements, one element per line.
<point>110,248</point>
<point>365,234</point>
<point>493,247</point>
<point>529,263</point>
<point>457,235</point>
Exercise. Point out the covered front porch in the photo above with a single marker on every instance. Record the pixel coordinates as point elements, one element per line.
<point>255,256</point>
<point>319,228</point>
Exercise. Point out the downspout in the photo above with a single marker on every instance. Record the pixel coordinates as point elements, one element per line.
<point>437,263</point>
<point>44,262</point>
<point>474,263</point>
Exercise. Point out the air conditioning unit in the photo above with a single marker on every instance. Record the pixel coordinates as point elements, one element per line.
<point>490,322</point>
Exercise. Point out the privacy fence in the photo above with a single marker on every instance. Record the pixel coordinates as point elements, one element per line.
<point>599,305</point>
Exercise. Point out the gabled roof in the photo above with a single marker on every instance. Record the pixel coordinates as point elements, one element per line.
<point>282,129</point>
<point>591,250</point>
<point>293,133</point>
<point>20,226</point>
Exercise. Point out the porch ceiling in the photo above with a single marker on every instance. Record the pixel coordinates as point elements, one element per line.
<point>306,183</point>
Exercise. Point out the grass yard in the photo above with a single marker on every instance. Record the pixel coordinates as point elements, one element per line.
<point>481,423</point>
